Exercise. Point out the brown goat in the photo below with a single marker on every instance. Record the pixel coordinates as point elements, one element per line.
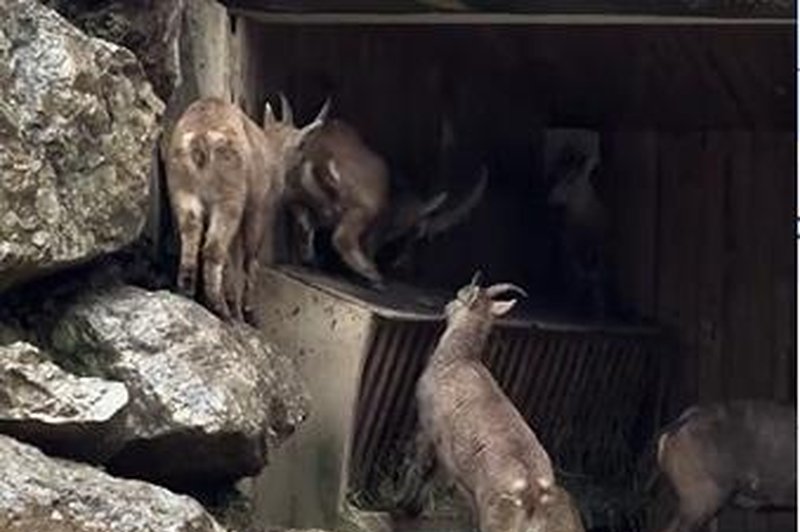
<point>342,170</point>
<point>227,175</point>
<point>344,185</point>
<point>476,433</point>
<point>742,451</point>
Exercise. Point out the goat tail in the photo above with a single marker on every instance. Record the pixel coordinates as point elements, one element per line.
<point>197,146</point>
<point>212,148</point>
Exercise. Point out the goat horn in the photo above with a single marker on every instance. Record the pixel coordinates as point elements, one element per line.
<point>269,115</point>
<point>497,289</point>
<point>323,111</point>
<point>443,220</point>
<point>319,121</point>
<point>476,278</point>
<point>287,116</point>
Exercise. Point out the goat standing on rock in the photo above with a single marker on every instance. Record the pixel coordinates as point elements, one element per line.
<point>477,435</point>
<point>227,175</point>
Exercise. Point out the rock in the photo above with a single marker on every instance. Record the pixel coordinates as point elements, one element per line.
<point>38,493</point>
<point>58,412</point>
<point>207,399</point>
<point>78,122</point>
<point>149,28</point>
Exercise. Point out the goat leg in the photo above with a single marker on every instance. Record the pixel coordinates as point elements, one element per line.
<point>347,240</point>
<point>259,233</point>
<point>223,225</point>
<point>189,217</point>
<point>233,278</point>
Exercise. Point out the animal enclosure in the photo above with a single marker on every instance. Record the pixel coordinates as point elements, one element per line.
<point>697,144</point>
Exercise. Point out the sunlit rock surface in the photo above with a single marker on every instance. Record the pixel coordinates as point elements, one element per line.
<point>59,412</point>
<point>42,494</point>
<point>78,121</point>
<point>208,399</point>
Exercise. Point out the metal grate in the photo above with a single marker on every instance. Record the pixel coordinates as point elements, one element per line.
<point>583,391</point>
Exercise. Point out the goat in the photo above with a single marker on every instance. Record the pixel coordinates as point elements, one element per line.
<point>583,233</point>
<point>469,426</point>
<point>742,451</point>
<point>226,177</point>
<point>344,185</point>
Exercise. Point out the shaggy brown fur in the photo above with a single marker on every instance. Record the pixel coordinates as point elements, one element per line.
<point>226,178</point>
<point>476,433</point>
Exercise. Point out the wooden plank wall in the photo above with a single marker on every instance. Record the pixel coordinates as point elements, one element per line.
<point>705,245</point>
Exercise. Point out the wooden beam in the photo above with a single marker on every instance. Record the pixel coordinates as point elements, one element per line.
<point>502,19</point>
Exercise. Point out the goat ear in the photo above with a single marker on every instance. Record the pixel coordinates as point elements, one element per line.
<point>500,308</point>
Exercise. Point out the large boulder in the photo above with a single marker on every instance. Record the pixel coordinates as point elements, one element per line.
<point>149,28</point>
<point>78,122</point>
<point>208,399</point>
<point>61,413</point>
<point>53,495</point>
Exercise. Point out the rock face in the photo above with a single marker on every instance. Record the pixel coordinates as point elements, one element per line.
<point>67,415</point>
<point>207,399</point>
<point>38,493</point>
<point>149,28</point>
<point>78,123</point>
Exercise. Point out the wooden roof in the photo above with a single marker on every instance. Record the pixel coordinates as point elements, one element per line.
<point>713,8</point>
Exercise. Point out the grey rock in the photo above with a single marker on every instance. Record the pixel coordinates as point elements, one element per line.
<point>149,28</point>
<point>38,493</point>
<point>63,414</point>
<point>208,399</point>
<point>78,122</point>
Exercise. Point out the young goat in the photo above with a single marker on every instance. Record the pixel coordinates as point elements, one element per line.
<point>583,234</point>
<point>476,434</point>
<point>227,174</point>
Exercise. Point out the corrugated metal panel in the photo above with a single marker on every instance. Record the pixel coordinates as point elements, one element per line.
<point>581,391</point>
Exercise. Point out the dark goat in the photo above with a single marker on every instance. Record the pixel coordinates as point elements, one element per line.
<point>741,451</point>
<point>345,186</point>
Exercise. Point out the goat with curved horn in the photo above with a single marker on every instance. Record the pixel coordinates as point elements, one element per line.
<point>476,435</point>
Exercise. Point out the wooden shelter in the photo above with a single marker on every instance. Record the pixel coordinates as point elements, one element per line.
<point>695,103</point>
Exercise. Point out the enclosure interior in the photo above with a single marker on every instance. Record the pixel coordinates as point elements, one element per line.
<point>697,172</point>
